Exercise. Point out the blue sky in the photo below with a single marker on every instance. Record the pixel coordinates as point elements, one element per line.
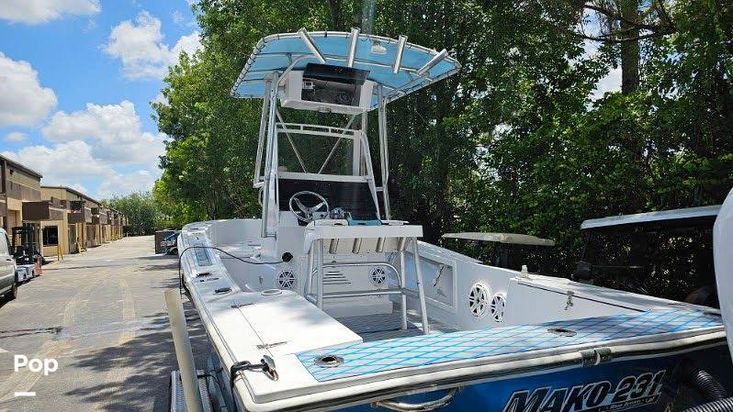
<point>76,81</point>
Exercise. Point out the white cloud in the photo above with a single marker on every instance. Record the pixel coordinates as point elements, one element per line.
<point>23,101</point>
<point>65,161</point>
<point>189,44</point>
<point>79,188</point>
<point>14,137</point>
<point>178,18</point>
<point>102,147</point>
<point>73,162</point>
<point>159,98</point>
<point>124,183</point>
<point>41,11</point>
<point>610,83</point>
<point>140,46</point>
<point>114,132</point>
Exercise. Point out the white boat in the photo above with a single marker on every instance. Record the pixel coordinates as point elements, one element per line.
<point>328,302</point>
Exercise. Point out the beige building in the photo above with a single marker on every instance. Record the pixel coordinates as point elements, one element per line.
<point>90,223</point>
<point>21,205</point>
<point>18,184</point>
<point>61,219</point>
<point>70,231</point>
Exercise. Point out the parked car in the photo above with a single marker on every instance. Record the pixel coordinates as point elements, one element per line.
<point>170,243</point>
<point>8,286</point>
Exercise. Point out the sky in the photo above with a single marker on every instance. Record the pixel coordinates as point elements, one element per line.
<point>76,81</point>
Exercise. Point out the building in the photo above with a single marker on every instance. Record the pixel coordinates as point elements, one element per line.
<point>91,224</point>
<point>58,220</point>
<point>21,206</point>
<point>19,184</point>
<point>118,224</point>
<point>71,231</point>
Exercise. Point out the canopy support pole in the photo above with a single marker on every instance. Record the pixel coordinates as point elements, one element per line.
<point>356,149</point>
<point>384,152</point>
<point>261,135</point>
<point>368,162</point>
<point>271,158</point>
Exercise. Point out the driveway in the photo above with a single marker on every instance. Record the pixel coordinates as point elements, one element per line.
<point>101,315</point>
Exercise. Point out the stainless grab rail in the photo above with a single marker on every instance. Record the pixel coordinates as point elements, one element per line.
<point>418,407</point>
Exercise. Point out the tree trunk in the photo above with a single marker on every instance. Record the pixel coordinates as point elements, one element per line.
<point>334,7</point>
<point>724,14</point>
<point>367,16</point>
<point>629,49</point>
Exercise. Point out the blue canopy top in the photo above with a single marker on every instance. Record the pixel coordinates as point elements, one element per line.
<point>398,73</point>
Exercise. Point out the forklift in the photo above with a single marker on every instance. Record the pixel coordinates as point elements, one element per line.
<point>25,252</point>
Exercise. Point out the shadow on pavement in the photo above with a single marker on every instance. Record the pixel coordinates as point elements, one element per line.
<point>151,357</point>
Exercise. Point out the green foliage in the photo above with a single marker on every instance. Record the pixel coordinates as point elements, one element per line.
<point>142,212</point>
<point>512,143</point>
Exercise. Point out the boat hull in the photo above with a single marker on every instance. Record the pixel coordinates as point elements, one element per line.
<point>651,384</point>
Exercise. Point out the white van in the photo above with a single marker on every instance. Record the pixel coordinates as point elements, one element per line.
<point>8,286</point>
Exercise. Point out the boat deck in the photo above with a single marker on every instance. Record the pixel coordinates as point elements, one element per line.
<point>389,326</point>
<point>374,356</point>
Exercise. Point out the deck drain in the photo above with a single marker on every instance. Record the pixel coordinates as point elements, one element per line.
<point>563,332</point>
<point>222,290</point>
<point>271,292</point>
<point>208,280</point>
<point>329,361</point>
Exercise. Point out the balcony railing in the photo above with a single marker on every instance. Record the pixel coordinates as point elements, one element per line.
<point>42,210</point>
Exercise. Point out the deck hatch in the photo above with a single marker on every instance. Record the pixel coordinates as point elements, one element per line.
<point>379,356</point>
<point>201,254</point>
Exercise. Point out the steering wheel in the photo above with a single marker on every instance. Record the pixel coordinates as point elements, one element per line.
<point>304,213</point>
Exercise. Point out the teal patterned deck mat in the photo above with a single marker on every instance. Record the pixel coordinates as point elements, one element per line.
<point>379,356</point>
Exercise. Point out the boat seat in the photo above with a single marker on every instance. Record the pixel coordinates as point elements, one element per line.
<point>339,238</point>
<point>359,238</point>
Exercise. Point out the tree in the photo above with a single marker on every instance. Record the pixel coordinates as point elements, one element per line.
<point>623,22</point>
<point>514,142</point>
<point>141,210</point>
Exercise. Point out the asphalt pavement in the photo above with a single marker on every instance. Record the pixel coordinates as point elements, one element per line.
<point>101,316</point>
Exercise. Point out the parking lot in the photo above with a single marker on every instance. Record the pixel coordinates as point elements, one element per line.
<point>102,317</point>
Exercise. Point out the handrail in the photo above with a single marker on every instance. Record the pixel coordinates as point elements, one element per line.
<point>418,407</point>
<point>329,131</point>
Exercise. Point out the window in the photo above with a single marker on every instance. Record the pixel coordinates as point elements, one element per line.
<point>51,236</point>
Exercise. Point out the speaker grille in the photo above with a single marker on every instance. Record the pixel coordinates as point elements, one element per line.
<point>286,280</point>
